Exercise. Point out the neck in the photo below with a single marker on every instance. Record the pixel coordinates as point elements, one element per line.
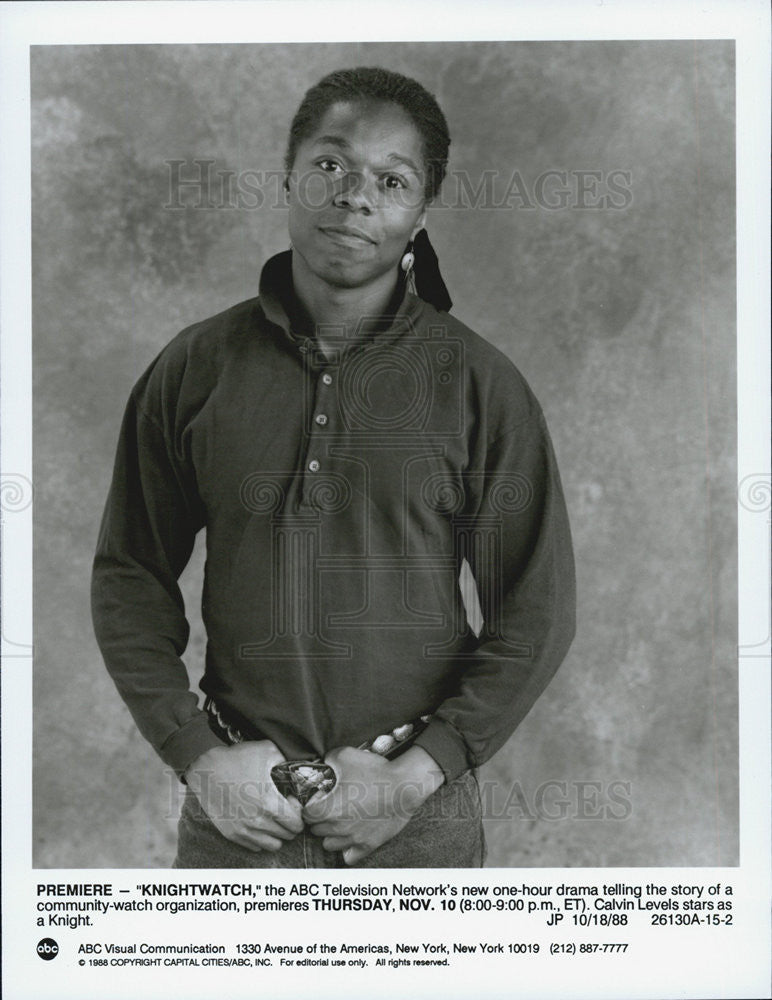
<point>327,305</point>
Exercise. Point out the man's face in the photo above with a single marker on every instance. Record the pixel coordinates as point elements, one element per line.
<point>356,194</point>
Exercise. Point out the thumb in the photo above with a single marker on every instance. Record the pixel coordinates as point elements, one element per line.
<point>354,854</point>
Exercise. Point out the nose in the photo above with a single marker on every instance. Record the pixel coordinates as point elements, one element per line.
<point>355,193</point>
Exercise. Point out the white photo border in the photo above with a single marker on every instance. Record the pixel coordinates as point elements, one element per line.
<point>26,24</point>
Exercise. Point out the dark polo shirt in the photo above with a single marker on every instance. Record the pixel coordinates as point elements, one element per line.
<point>341,495</point>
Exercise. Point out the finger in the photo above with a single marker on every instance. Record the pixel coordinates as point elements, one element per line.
<point>333,758</point>
<point>354,854</point>
<point>266,843</point>
<point>329,828</point>
<point>286,812</point>
<point>341,758</point>
<point>256,841</point>
<point>267,825</point>
<point>321,805</point>
<point>270,813</point>
<point>336,843</point>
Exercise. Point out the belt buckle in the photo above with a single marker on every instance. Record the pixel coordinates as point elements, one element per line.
<point>303,778</point>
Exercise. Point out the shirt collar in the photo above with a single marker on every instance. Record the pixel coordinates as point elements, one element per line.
<point>278,302</point>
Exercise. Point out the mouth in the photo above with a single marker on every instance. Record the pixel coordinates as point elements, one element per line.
<point>348,236</point>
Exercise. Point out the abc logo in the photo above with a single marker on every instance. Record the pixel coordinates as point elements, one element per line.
<point>47,949</point>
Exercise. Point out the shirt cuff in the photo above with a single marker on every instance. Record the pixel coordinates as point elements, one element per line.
<point>189,742</point>
<point>446,746</point>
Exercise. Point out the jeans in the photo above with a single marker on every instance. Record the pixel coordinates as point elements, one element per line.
<point>445,832</point>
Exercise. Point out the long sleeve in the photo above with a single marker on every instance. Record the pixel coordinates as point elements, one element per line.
<point>297,657</point>
<point>517,542</point>
<point>146,538</point>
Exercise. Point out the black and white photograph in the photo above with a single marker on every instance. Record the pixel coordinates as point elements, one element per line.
<point>539,318</point>
<point>386,475</point>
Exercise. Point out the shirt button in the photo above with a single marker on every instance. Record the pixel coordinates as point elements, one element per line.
<point>321,419</point>
<point>313,466</point>
<point>327,378</point>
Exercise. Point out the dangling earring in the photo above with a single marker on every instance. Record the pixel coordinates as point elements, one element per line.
<point>407,262</point>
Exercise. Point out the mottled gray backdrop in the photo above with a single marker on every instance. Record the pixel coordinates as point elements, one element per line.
<point>622,319</point>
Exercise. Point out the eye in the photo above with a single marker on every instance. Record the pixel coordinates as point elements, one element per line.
<point>394,181</point>
<point>329,165</point>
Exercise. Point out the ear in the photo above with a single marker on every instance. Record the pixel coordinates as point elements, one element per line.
<point>286,185</point>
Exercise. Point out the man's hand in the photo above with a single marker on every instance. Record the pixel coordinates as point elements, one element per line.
<point>372,801</point>
<point>234,786</point>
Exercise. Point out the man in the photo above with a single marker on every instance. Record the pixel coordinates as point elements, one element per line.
<point>354,453</point>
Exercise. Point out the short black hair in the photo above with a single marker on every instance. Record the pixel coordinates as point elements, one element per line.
<point>372,83</point>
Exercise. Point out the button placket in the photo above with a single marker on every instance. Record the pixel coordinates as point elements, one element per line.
<point>313,465</point>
